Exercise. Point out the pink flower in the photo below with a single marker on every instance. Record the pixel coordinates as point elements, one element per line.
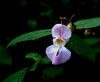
<point>57,53</point>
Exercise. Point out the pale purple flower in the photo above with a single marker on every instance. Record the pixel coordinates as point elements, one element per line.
<point>60,30</point>
<point>57,53</point>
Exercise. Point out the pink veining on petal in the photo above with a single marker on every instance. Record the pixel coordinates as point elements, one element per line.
<point>66,32</point>
<point>60,30</point>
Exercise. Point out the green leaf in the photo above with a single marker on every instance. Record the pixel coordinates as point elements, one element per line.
<point>30,36</point>
<point>87,23</point>
<point>46,60</point>
<point>34,56</point>
<point>16,77</point>
<point>5,58</point>
<point>92,41</point>
<point>81,48</point>
<point>34,66</point>
<point>52,72</point>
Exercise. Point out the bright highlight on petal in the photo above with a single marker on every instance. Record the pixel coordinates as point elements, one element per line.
<point>58,56</point>
<point>51,51</point>
<point>63,55</point>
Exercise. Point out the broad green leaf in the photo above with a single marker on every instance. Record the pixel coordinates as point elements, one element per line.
<point>16,77</point>
<point>92,41</point>
<point>81,48</point>
<point>52,72</point>
<point>87,23</point>
<point>34,56</point>
<point>46,60</point>
<point>5,58</point>
<point>30,36</point>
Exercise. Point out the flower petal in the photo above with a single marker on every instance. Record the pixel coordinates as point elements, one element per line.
<point>51,51</point>
<point>63,55</point>
<point>60,30</point>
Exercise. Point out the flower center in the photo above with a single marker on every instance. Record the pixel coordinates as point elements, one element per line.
<point>59,42</point>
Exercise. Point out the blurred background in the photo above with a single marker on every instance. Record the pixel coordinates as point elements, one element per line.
<point>22,16</point>
<point>17,15</point>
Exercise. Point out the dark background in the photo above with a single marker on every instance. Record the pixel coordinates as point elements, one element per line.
<point>16,13</point>
<point>14,17</point>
